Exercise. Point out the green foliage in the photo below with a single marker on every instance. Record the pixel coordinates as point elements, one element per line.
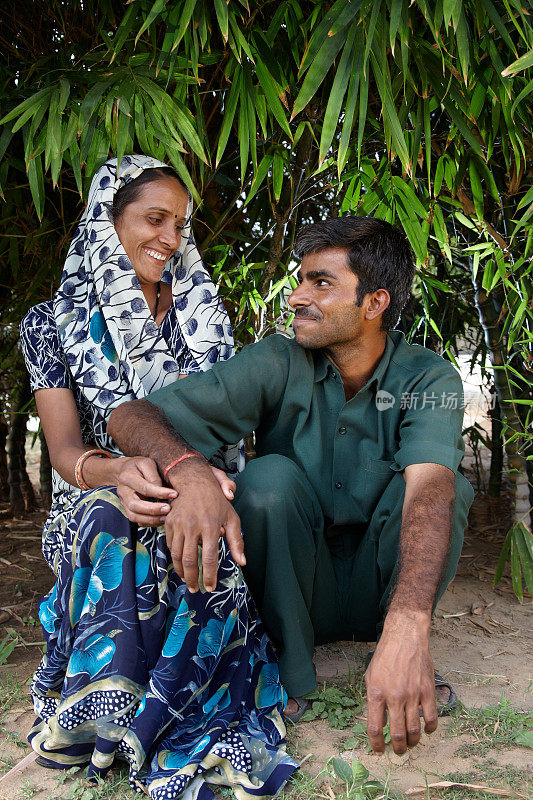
<point>340,706</point>
<point>355,776</point>
<point>518,546</point>
<point>277,114</point>
<point>498,725</point>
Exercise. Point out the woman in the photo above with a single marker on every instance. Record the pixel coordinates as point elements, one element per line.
<point>184,686</point>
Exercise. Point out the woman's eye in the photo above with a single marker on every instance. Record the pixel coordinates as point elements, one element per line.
<point>155,220</point>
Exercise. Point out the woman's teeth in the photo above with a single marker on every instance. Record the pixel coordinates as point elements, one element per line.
<point>155,254</point>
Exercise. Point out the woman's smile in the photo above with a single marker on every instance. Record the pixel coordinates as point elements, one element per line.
<point>157,255</point>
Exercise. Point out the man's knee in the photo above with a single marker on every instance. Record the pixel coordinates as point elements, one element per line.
<point>270,483</point>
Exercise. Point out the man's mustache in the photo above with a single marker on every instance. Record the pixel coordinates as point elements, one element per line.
<point>305,313</point>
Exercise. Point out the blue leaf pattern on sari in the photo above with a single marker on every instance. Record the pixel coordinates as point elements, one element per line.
<point>268,691</point>
<point>215,635</point>
<point>97,654</point>
<point>180,627</point>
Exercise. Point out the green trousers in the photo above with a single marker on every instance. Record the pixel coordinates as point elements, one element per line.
<point>316,582</point>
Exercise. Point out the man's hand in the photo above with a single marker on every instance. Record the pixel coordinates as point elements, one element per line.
<point>141,492</point>
<point>200,515</point>
<point>400,679</point>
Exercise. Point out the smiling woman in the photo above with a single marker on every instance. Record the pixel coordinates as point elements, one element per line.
<point>127,671</point>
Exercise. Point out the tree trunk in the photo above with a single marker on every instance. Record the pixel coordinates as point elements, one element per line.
<point>45,474</point>
<point>18,477</point>
<point>492,328</point>
<point>4,471</point>
<point>496,457</point>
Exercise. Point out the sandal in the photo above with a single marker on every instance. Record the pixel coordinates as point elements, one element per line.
<point>443,709</point>
<point>303,706</point>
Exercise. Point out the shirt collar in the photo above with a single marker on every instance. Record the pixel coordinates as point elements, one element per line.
<point>324,367</point>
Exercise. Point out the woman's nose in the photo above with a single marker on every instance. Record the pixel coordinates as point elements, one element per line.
<point>170,237</point>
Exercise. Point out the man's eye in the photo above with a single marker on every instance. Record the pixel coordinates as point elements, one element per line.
<point>155,220</point>
<point>322,282</point>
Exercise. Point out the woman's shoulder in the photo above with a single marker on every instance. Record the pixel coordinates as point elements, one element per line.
<point>40,319</point>
<point>39,340</point>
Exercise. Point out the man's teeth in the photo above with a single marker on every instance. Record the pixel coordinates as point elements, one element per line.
<point>155,254</point>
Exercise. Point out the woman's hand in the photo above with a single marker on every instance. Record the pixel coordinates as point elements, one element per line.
<point>143,495</point>
<point>141,491</point>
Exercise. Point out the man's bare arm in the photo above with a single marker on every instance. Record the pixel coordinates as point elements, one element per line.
<point>142,429</point>
<point>400,678</point>
<point>201,513</point>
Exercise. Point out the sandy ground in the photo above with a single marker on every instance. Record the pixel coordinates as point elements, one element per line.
<point>481,643</point>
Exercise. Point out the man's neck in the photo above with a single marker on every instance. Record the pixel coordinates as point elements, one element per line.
<point>357,361</point>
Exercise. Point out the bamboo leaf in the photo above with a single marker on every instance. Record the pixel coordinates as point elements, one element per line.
<point>260,175</point>
<point>477,189</point>
<point>154,12</point>
<point>274,103</point>
<point>243,130</point>
<point>186,14</point>
<point>516,573</point>
<point>318,70</point>
<point>349,111</point>
<point>341,14</point>
<point>390,116</point>
<point>30,104</point>
<point>277,174</point>
<point>406,189</point>
<point>221,9</point>
<point>499,24</point>
<point>91,101</point>
<point>524,62</point>
<point>338,90</point>
<point>394,23</point>
<point>229,114</point>
<point>36,181</point>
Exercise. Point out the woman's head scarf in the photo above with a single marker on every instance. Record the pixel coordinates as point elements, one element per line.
<point>113,347</point>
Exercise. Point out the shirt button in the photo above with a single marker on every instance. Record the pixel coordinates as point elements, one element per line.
<point>333,374</point>
<point>338,485</point>
<point>342,431</point>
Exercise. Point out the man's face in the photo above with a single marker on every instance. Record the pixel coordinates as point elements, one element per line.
<point>325,310</point>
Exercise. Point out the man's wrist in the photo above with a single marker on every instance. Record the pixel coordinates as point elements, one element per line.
<point>180,467</point>
<point>406,621</point>
<point>179,460</point>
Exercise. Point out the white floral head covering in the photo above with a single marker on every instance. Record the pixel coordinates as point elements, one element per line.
<point>113,347</point>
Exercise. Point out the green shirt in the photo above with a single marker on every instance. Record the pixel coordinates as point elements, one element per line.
<point>409,412</point>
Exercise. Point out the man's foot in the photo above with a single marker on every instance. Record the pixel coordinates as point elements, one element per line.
<point>296,708</point>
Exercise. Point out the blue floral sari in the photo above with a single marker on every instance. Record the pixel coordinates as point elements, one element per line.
<point>183,686</point>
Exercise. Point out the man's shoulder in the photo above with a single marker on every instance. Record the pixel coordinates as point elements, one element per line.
<point>417,361</point>
<point>277,344</point>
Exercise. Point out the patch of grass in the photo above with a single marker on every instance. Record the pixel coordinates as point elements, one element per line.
<point>500,726</point>
<point>73,785</point>
<point>491,773</point>
<point>12,693</point>
<point>28,790</point>
<point>6,763</point>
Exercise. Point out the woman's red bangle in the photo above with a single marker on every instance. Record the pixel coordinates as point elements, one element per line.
<point>177,461</point>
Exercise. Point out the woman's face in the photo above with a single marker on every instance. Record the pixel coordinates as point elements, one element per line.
<point>150,227</point>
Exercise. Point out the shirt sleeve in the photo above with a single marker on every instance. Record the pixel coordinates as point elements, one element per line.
<point>39,341</point>
<point>220,406</point>
<point>430,431</point>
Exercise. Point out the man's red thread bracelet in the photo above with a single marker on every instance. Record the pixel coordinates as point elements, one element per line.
<point>177,461</point>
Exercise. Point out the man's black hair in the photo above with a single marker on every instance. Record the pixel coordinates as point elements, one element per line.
<point>131,190</point>
<point>378,253</point>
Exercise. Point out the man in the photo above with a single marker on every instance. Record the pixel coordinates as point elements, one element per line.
<point>353,511</point>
